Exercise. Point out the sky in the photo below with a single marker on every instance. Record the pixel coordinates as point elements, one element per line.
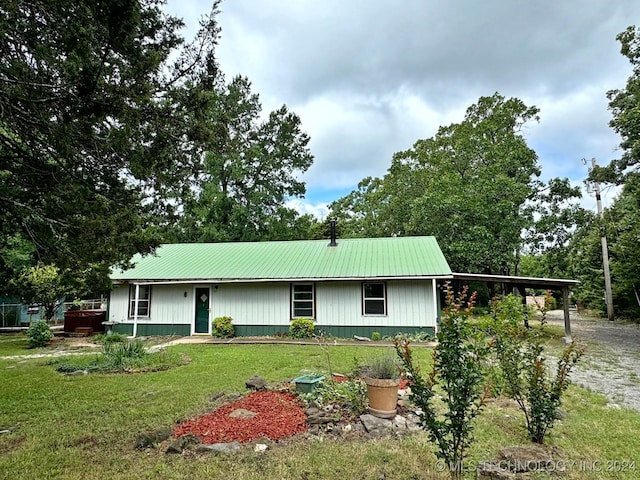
<point>368,78</point>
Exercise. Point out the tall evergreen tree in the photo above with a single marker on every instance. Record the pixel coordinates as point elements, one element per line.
<point>99,127</point>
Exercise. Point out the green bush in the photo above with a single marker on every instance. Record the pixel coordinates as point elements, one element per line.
<point>382,367</point>
<point>39,334</point>
<point>222,327</point>
<point>520,354</point>
<point>458,374</point>
<point>119,357</point>
<point>351,392</point>
<point>375,336</point>
<point>302,328</point>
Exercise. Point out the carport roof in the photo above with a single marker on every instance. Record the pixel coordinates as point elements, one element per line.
<point>530,282</point>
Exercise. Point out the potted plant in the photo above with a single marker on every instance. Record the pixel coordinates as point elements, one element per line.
<point>382,378</point>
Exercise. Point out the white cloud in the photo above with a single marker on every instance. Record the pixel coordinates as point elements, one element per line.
<point>370,77</point>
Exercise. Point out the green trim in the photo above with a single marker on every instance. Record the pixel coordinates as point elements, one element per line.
<point>150,329</point>
<point>367,331</point>
<point>184,330</point>
<point>332,331</point>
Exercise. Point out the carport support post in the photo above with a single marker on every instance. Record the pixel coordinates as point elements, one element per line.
<point>567,319</point>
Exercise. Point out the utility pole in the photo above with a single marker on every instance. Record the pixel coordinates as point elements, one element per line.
<point>605,251</point>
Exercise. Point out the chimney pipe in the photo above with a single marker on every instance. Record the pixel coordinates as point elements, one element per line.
<point>333,242</point>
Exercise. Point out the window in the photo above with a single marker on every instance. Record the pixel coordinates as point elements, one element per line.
<point>144,300</point>
<point>374,301</point>
<point>303,300</point>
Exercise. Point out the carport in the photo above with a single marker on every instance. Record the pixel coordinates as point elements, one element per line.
<point>520,283</point>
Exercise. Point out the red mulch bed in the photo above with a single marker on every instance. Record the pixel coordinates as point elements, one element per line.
<point>279,415</point>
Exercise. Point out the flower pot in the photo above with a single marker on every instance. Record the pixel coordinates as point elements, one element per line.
<point>383,396</point>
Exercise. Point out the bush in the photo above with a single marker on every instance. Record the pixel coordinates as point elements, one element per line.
<point>39,334</point>
<point>119,357</point>
<point>375,336</point>
<point>382,367</point>
<point>352,393</point>
<point>457,371</point>
<point>520,354</point>
<point>302,328</point>
<point>222,327</point>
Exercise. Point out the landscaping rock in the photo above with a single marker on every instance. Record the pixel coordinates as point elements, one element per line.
<point>362,339</point>
<point>149,439</point>
<point>376,427</point>
<point>182,443</point>
<point>525,458</point>
<point>260,448</point>
<point>220,448</point>
<point>242,413</point>
<point>216,396</point>
<point>256,383</point>
<point>489,471</point>
<point>322,418</point>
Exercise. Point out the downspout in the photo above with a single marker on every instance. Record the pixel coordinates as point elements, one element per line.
<point>136,301</point>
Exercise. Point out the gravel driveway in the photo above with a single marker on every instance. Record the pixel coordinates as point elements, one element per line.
<point>611,364</point>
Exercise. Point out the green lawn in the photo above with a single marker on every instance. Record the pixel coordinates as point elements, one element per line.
<point>84,427</point>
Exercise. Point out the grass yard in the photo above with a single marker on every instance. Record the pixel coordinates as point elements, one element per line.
<point>84,426</point>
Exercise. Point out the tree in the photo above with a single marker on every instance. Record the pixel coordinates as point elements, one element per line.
<point>623,228</point>
<point>99,130</point>
<point>625,108</point>
<point>474,186</point>
<point>249,171</point>
<point>44,285</point>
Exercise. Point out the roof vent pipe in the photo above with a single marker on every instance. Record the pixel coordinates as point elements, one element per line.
<point>333,242</point>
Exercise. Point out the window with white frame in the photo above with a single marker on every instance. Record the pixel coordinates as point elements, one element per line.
<point>374,298</point>
<point>144,300</point>
<point>303,296</point>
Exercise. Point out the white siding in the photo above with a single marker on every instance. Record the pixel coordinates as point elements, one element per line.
<point>168,305</point>
<point>253,304</point>
<point>409,303</point>
<point>338,303</point>
<point>119,304</point>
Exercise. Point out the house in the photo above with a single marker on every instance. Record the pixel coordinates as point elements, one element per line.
<point>348,287</point>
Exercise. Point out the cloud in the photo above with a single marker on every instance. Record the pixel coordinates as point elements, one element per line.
<point>370,77</point>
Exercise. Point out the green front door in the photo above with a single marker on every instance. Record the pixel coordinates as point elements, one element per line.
<point>202,310</point>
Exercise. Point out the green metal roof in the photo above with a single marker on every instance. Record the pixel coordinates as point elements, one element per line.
<point>355,258</point>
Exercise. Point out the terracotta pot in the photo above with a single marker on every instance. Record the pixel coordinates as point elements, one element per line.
<point>383,396</point>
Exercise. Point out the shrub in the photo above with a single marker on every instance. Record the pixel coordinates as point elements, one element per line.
<point>457,370</point>
<point>302,328</point>
<point>352,393</point>
<point>382,367</point>
<point>120,357</point>
<point>520,354</point>
<point>375,336</point>
<point>39,334</point>
<point>222,327</point>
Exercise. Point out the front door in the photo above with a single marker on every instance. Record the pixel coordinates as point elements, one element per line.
<point>202,310</point>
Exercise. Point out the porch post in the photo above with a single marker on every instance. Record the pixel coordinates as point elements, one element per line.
<point>567,319</point>
<point>136,301</point>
